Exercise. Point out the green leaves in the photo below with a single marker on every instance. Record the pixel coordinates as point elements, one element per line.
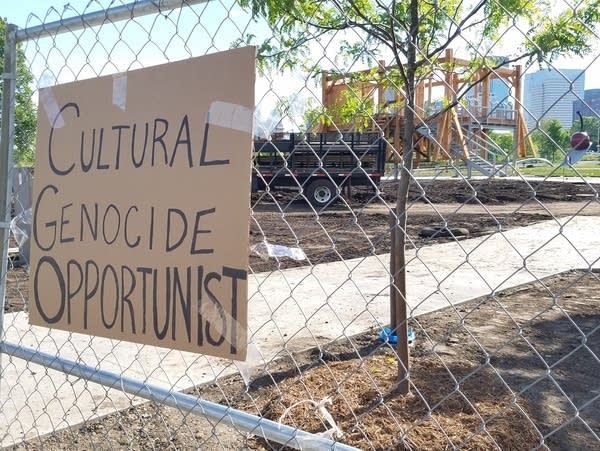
<point>551,139</point>
<point>25,112</point>
<point>435,27</point>
<point>499,13</point>
<point>570,32</point>
<point>354,110</point>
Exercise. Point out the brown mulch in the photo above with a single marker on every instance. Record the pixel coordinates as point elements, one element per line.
<point>373,415</point>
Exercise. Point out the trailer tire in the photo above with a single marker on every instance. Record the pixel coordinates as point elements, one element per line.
<point>321,192</point>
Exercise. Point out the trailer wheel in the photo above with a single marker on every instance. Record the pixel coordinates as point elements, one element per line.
<point>321,192</point>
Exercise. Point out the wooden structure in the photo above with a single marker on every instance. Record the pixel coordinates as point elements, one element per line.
<point>456,132</point>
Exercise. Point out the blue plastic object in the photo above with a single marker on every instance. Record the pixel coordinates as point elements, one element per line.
<point>387,337</point>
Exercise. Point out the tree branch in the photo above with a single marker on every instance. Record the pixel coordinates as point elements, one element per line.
<point>437,50</point>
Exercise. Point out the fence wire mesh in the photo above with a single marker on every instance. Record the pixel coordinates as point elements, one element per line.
<point>493,256</point>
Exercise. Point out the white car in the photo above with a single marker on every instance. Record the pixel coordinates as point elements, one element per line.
<point>533,162</point>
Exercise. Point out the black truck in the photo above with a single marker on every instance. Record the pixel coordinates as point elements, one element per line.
<point>319,163</point>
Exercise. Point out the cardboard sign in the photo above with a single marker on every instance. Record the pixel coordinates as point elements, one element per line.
<point>141,205</point>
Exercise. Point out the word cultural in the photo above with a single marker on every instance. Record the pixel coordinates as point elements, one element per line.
<point>149,144</point>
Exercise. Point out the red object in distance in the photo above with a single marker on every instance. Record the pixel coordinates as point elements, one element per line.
<point>580,141</point>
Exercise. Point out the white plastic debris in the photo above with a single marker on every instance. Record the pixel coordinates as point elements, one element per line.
<point>266,250</point>
<point>254,361</point>
<point>334,432</point>
<point>20,227</point>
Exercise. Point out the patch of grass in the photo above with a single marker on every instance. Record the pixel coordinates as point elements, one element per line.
<point>578,171</point>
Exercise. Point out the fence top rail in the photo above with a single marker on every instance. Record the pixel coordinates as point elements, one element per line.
<point>137,8</point>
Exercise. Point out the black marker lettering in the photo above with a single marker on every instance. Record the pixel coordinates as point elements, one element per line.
<point>119,129</point>
<point>185,301</point>
<point>58,116</point>
<point>51,224</point>
<point>88,293</point>
<point>159,139</point>
<point>169,247</point>
<point>125,293</point>
<point>92,225</point>
<point>198,231</point>
<point>137,163</point>
<point>235,275</point>
<point>200,336</point>
<point>145,272</point>
<point>85,165</point>
<point>46,259</point>
<point>71,292</point>
<point>160,334</point>
<point>107,269</point>
<point>151,238</point>
<point>219,308</point>
<point>138,238</point>
<point>203,161</point>
<point>63,223</point>
<point>100,165</point>
<point>184,128</point>
<point>118,223</point>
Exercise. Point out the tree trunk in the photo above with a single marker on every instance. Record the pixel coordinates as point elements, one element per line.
<point>398,304</point>
<point>398,308</point>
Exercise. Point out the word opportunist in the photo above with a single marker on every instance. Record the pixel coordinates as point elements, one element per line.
<point>143,301</point>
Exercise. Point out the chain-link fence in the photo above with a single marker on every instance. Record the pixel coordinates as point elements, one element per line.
<point>423,232</point>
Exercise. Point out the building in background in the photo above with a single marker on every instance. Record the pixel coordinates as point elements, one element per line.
<point>500,91</point>
<point>589,106</point>
<point>549,94</point>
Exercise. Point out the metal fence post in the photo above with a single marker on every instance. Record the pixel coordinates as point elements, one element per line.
<point>9,76</point>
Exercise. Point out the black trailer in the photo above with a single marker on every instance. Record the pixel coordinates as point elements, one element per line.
<point>321,164</point>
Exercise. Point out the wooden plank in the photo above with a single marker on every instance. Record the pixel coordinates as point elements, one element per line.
<point>461,136</point>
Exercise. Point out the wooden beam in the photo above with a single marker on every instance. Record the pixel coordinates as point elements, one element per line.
<point>519,135</point>
<point>419,103</point>
<point>441,147</point>
<point>485,98</point>
<point>502,71</point>
<point>460,134</point>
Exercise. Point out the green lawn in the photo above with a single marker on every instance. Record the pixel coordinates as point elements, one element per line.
<point>581,170</point>
<point>565,171</point>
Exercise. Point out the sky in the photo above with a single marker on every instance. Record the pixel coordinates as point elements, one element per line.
<point>17,11</point>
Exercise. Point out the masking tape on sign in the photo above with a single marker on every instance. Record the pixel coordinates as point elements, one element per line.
<point>230,115</point>
<point>119,91</point>
<point>51,108</point>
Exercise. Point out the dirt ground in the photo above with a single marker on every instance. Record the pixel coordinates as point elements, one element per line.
<point>504,372</point>
<point>360,225</point>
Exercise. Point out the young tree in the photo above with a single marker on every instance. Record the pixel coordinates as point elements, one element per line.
<point>415,34</point>
<point>552,139</point>
<point>25,113</point>
<point>503,140</point>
